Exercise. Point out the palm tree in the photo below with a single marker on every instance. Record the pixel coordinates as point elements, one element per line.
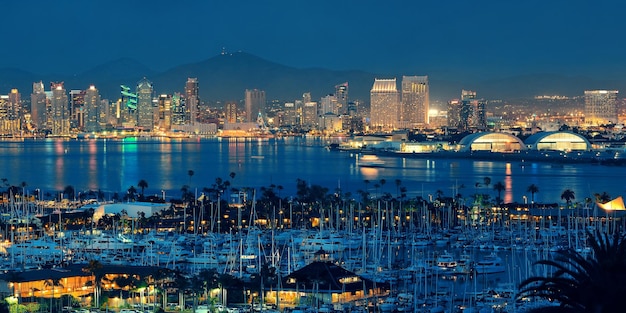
<point>69,191</point>
<point>95,269</point>
<point>568,196</point>
<point>487,181</point>
<point>190,173</point>
<point>143,184</point>
<point>499,187</point>
<point>580,283</point>
<point>53,283</point>
<point>533,189</point>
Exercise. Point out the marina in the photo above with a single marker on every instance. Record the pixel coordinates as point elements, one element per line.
<point>383,250</point>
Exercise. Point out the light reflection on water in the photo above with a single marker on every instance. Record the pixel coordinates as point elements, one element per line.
<point>115,165</point>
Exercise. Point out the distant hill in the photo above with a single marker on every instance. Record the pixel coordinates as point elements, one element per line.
<point>225,77</point>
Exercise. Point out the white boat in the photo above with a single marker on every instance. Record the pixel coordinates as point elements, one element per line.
<point>491,264</point>
<point>446,261</point>
<point>370,160</point>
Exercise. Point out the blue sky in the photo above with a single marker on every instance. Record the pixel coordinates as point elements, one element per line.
<point>479,39</point>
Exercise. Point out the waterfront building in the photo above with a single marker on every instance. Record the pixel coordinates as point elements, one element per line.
<point>230,112</point>
<point>255,104</point>
<point>413,111</point>
<point>341,95</point>
<point>192,99</point>
<point>145,109</point>
<point>76,109</point>
<point>59,117</point>
<point>164,106</point>
<point>330,123</point>
<point>179,110</point>
<point>38,105</point>
<point>309,115</point>
<point>383,104</point>
<point>472,112</point>
<point>454,114</point>
<point>92,106</point>
<point>600,107</point>
<point>328,104</point>
<point>557,141</point>
<point>289,115</point>
<point>491,142</point>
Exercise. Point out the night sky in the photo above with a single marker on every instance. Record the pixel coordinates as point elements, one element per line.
<point>478,39</point>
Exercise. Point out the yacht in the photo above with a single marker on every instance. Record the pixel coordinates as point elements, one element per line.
<point>491,264</point>
<point>370,160</point>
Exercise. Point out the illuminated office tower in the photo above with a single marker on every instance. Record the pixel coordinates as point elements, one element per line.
<point>600,107</point>
<point>309,115</point>
<point>473,115</point>
<point>164,105</point>
<point>289,114</point>
<point>59,117</point>
<point>38,105</point>
<point>413,110</point>
<point>454,113</point>
<point>383,104</point>
<point>329,104</point>
<point>341,94</point>
<point>145,110</point>
<point>179,110</point>
<point>92,105</point>
<point>76,108</point>
<point>255,104</point>
<point>192,99</point>
<point>306,97</point>
<point>14,116</point>
<point>230,112</point>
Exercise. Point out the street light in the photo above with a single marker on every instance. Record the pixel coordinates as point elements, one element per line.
<point>163,193</point>
<point>525,199</point>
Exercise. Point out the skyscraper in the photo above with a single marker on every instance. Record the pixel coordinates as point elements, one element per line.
<point>92,109</point>
<point>192,99</point>
<point>38,105</point>
<point>413,111</point>
<point>341,95</point>
<point>384,104</point>
<point>309,115</point>
<point>230,112</point>
<point>255,104</point>
<point>145,111</point>
<point>165,112</point>
<point>600,106</point>
<point>14,112</point>
<point>472,112</point>
<point>454,113</point>
<point>59,121</point>
<point>76,109</point>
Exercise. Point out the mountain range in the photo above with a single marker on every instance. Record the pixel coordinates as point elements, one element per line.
<point>226,76</point>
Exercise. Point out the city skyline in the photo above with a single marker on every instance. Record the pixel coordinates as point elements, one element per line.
<point>476,40</point>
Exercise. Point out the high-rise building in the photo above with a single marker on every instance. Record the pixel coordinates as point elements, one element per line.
<point>192,99</point>
<point>600,107</point>
<point>472,112</point>
<point>38,105</point>
<point>289,114</point>
<point>230,112</point>
<point>91,107</point>
<point>179,110</point>
<point>341,95</point>
<point>454,113</point>
<point>255,104</point>
<point>413,111</point>
<point>145,110</point>
<point>59,119</point>
<point>384,104</point>
<point>165,112</point>
<point>76,108</point>
<point>14,112</point>
<point>329,104</point>
<point>309,115</point>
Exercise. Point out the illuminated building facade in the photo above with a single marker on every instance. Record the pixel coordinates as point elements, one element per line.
<point>38,105</point>
<point>472,112</point>
<point>454,113</point>
<point>341,95</point>
<point>255,104</point>
<point>413,111</point>
<point>192,99</point>
<point>145,110</point>
<point>164,105</point>
<point>59,117</point>
<point>76,109</point>
<point>92,106</point>
<point>383,104</point>
<point>600,107</point>
<point>179,110</point>
<point>230,112</point>
<point>310,115</point>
